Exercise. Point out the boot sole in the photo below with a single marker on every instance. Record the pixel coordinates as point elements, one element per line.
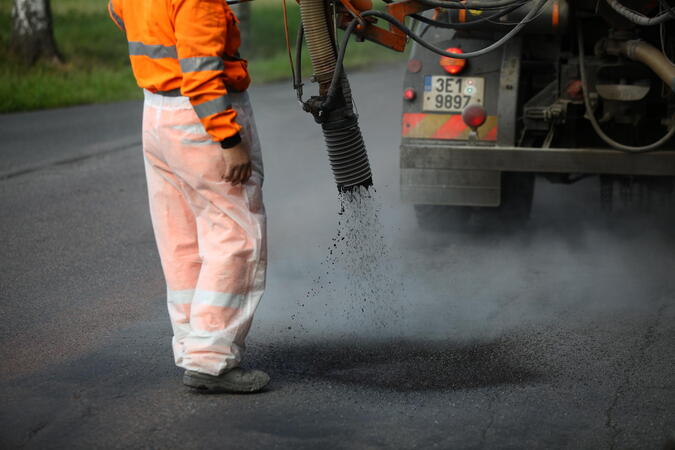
<point>209,386</point>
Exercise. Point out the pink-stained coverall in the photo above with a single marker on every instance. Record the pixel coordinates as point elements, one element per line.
<point>210,234</point>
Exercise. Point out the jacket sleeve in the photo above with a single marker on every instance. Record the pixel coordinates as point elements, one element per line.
<point>116,14</point>
<point>201,32</point>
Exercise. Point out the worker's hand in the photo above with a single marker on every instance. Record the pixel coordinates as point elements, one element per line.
<point>237,164</point>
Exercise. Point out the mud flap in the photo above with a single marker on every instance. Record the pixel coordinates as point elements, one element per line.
<point>451,187</point>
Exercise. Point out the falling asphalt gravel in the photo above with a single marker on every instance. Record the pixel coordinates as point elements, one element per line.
<point>559,335</point>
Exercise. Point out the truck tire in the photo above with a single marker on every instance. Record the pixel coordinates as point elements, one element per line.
<point>516,202</point>
<point>517,195</point>
<point>442,218</point>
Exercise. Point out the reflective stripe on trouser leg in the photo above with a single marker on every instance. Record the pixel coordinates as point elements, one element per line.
<point>179,304</point>
<point>175,230</point>
<point>231,234</point>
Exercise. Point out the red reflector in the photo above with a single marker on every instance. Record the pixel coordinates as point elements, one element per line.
<point>409,94</point>
<point>474,116</point>
<point>414,65</point>
<point>452,65</point>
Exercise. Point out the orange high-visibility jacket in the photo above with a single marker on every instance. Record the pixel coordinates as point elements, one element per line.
<point>190,48</point>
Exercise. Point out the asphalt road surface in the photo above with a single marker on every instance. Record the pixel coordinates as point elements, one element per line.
<point>560,335</point>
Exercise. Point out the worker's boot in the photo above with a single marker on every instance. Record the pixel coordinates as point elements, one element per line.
<point>237,380</point>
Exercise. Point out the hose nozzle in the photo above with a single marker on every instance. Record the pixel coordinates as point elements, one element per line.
<point>346,149</point>
<point>347,154</point>
<point>334,110</point>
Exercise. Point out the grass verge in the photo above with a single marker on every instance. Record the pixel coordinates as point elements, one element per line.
<point>97,66</point>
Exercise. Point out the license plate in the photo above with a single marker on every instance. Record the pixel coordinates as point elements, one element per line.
<point>452,94</point>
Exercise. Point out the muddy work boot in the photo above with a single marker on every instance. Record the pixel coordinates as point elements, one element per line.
<point>237,380</point>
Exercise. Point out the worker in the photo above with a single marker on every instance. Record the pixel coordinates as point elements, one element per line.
<point>204,175</point>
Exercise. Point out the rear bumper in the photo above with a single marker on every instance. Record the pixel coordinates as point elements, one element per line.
<point>471,175</point>
<point>525,159</point>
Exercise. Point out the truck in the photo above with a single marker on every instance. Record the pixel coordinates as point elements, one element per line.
<point>582,91</point>
<point>498,93</point>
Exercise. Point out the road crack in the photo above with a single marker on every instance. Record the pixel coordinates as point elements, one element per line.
<point>34,431</point>
<point>82,406</point>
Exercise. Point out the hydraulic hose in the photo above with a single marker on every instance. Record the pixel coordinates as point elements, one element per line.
<point>470,24</point>
<point>494,46</point>
<point>475,4</point>
<point>637,18</point>
<point>594,122</point>
<point>648,55</point>
<point>668,8</point>
<point>297,81</point>
<point>392,20</point>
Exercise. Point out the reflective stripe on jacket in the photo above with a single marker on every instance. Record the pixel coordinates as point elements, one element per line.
<point>188,47</point>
